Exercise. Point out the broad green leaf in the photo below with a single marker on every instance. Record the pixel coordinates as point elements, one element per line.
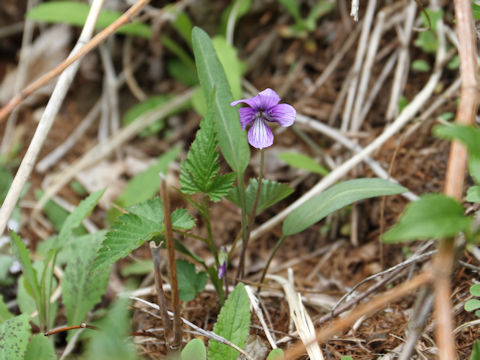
<point>31,280</point>
<point>433,216</point>
<point>40,347</point>
<point>5,314</point>
<point>198,102</point>
<point>334,198</point>
<point>302,162</point>
<point>190,283</point>
<point>75,13</point>
<point>472,304</point>
<point>473,194</point>
<point>199,173</point>
<point>475,290</point>
<point>233,324</point>
<point>143,222</point>
<point>420,65</point>
<point>194,350</point>
<point>271,192</point>
<point>82,211</point>
<point>468,135</point>
<point>82,288</point>
<point>276,354</point>
<point>232,140</point>
<point>146,184</point>
<point>475,351</point>
<point>227,55</point>
<point>111,341</point>
<point>14,334</point>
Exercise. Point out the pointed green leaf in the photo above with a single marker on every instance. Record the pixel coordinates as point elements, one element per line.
<point>190,283</point>
<point>40,347</point>
<point>227,54</point>
<point>233,324</point>
<point>14,334</point>
<point>271,192</point>
<point>232,140</point>
<point>194,350</point>
<point>302,161</point>
<point>433,216</point>
<point>182,220</point>
<point>82,211</point>
<point>82,288</point>
<point>334,198</point>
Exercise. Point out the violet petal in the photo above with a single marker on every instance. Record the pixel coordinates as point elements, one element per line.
<point>260,136</point>
<point>264,100</point>
<point>247,116</point>
<point>283,114</point>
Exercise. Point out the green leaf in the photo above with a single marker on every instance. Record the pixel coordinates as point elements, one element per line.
<point>182,23</point>
<point>146,184</point>
<point>233,324</point>
<point>194,350</point>
<point>271,192</point>
<point>468,135</point>
<point>5,314</point>
<point>145,106</point>
<point>232,140</point>
<point>143,222</point>
<point>227,54</point>
<point>475,351</point>
<point>302,162</point>
<point>433,216</point>
<point>186,251</point>
<point>14,334</point>
<point>82,211</point>
<point>199,173</point>
<point>473,194</point>
<point>454,64</point>
<point>474,167</point>
<point>476,11</point>
<point>141,267</point>
<point>31,280</point>
<point>421,66</point>
<point>293,7</point>
<point>6,179</point>
<point>346,357</point>
<point>82,288</point>
<point>75,13</point>
<point>334,198</point>
<point>276,354</point>
<point>110,342</point>
<point>178,70</point>
<point>427,41</point>
<point>475,290</point>
<point>472,304</point>
<point>190,283</point>
<point>320,9</point>
<point>40,347</point>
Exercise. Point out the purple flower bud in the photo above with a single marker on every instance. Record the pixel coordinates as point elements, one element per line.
<point>222,269</point>
<point>264,107</point>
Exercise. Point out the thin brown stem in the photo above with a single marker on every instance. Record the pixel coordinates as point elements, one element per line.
<point>92,44</point>
<point>177,322</point>
<point>67,328</point>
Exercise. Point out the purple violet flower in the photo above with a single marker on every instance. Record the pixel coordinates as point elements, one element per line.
<point>222,269</point>
<point>264,107</point>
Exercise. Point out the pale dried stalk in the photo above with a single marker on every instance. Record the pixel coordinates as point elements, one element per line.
<point>47,119</point>
<point>467,109</point>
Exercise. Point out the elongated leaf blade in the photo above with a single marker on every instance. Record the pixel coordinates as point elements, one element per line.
<point>302,161</point>
<point>82,288</point>
<point>14,334</point>
<point>335,198</point>
<point>233,324</point>
<point>232,140</point>
<point>433,216</point>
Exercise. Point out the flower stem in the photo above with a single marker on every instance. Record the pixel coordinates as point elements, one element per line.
<point>243,206</point>
<point>210,243</point>
<point>257,196</point>
<point>267,265</point>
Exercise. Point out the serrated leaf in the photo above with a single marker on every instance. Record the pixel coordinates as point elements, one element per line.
<point>302,161</point>
<point>146,184</point>
<point>271,192</point>
<point>20,251</point>
<point>276,354</point>
<point>111,341</point>
<point>143,222</point>
<point>433,216</point>
<point>82,211</point>
<point>472,304</point>
<point>40,347</point>
<point>473,194</point>
<point>190,283</point>
<point>75,13</point>
<point>233,324</point>
<point>334,198</point>
<point>82,288</point>
<point>475,290</point>
<point>231,138</point>
<point>5,314</point>
<point>14,334</point>
<point>194,350</point>
<point>475,351</point>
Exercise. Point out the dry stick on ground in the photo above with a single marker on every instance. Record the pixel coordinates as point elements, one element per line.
<point>443,262</point>
<point>56,99</point>
<point>369,308</point>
